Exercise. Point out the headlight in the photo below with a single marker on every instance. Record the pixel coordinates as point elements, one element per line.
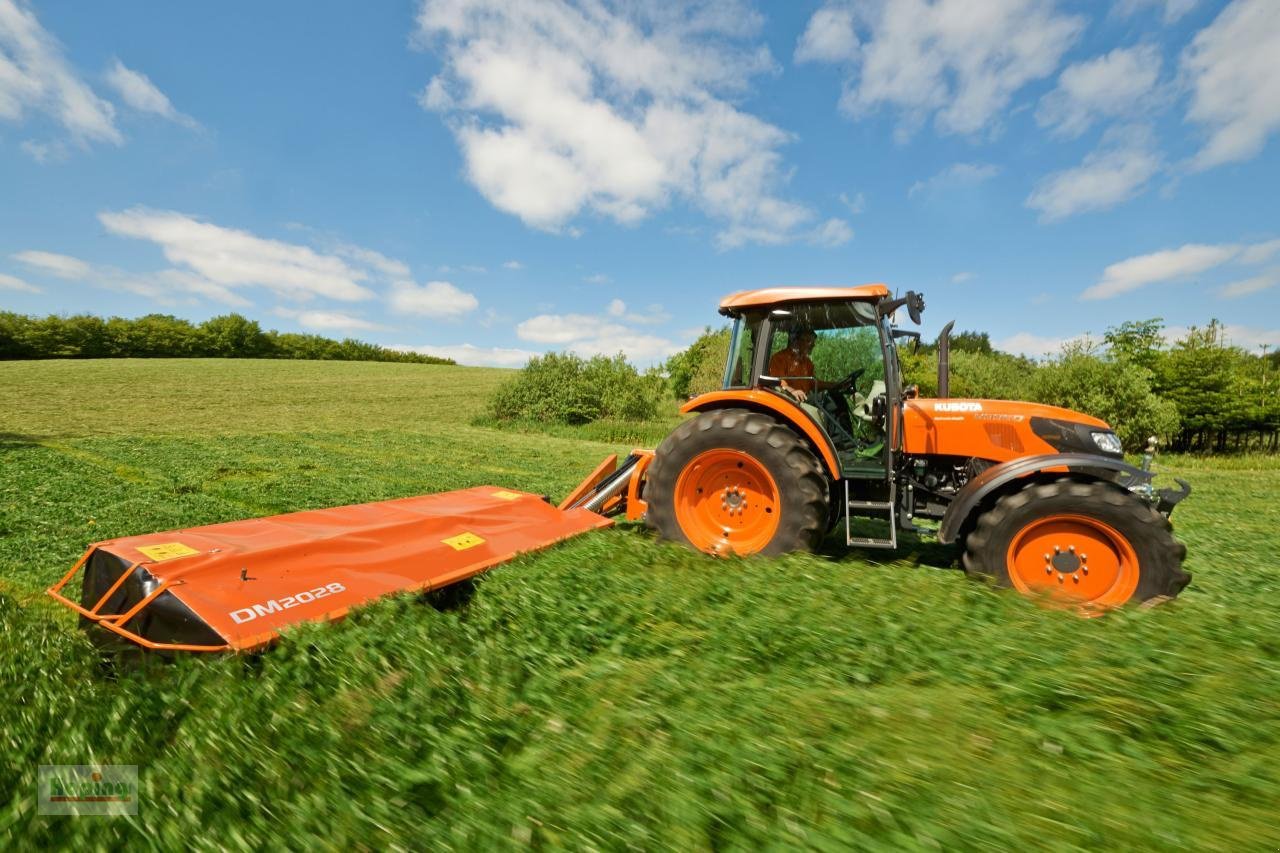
<point>1108,442</point>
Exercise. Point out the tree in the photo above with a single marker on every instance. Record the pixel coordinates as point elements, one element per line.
<point>1204,378</point>
<point>232,336</point>
<point>1112,389</point>
<point>975,342</point>
<point>692,368</point>
<point>1137,341</point>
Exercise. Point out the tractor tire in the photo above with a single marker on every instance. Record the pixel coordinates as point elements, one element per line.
<point>736,481</point>
<point>1087,543</point>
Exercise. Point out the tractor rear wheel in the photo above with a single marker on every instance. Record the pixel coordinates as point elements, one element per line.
<point>736,481</point>
<point>1085,543</point>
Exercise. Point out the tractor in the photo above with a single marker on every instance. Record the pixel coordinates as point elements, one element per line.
<point>812,429</point>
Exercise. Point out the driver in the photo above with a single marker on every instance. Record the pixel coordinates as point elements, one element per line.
<point>794,362</point>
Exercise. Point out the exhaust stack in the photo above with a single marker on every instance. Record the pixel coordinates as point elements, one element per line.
<point>944,361</point>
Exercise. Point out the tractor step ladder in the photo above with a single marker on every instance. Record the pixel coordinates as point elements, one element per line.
<point>888,507</point>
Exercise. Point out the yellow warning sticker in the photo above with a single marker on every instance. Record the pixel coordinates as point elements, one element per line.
<point>167,551</point>
<point>463,541</point>
<point>507,496</point>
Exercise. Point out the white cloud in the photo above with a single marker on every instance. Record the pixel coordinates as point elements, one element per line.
<point>63,266</point>
<point>957,61</point>
<point>35,76</point>
<point>378,261</point>
<point>635,346</point>
<point>832,233</point>
<point>1254,284</point>
<point>857,203</point>
<point>166,287</point>
<point>654,315</point>
<point>512,265</point>
<point>234,258</point>
<point>1165,265</point>
<point>433,299</point>
<point>211,262</point>
<point>563,328</point>
<point>137,90</point>
<point>328,321</point>
<point>1032,345</point>
<point>961,277</point>
<point>955,176</point>
<point>1259,253</point>
<point>588,335</point>
<point>1250,337</point>
<point>53,151</point>
<point>435,97</point>
<point>1171,10</point>
<point>562,107</point>
<point>1234,334</point>
<point>10,282</point>
<point>472,355</point>
<point>829,37</point>
<point>1235,80</point>
<point>597,278</point>
<point>1117,170</point>
<point>1111,85</point>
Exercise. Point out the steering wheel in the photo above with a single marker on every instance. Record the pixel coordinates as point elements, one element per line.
<point>849,382</point>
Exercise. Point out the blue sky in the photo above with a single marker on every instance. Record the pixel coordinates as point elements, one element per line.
<point>489,179</point>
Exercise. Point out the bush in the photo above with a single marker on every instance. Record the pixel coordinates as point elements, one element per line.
<point>566,389</point>
<point>993,376</point>
<point>700,368</point>
<point>1115,390</point>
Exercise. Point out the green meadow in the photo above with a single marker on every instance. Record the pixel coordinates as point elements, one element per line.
<point>612,692</point>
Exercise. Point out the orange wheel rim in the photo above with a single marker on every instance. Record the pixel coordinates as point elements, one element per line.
<point>727,502</point>
<point>1075,559</point>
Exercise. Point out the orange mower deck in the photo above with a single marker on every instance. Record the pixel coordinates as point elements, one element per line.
<point>235,586</point>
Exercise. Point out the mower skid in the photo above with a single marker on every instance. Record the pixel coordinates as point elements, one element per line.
<point>236,586</point>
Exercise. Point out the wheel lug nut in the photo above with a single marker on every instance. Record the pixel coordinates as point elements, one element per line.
<point>1048,570</point>
<point>1057,550</point>
<point>1071,548</point>
<point>1060,577</point>
<point>1076,578</point>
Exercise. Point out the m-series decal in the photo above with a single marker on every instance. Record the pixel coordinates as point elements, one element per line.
<point>276,605</point>
<point>957,406</point>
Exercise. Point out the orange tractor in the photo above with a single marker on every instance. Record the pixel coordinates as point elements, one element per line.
<point>813,430</point>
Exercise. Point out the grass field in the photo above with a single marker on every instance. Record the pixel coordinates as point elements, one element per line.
<point>612,692</point>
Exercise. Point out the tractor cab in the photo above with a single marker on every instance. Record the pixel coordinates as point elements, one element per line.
<point>828,352</point>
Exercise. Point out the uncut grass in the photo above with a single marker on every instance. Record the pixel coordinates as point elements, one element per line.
<point>614,691</point>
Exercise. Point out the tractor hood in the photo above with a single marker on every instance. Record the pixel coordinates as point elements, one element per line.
<point>1000,430</point>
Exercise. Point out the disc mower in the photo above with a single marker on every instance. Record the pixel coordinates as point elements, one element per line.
<point>813,433</point>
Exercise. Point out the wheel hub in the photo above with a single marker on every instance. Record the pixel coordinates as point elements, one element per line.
<point>1053,555</point>
<point>727,501</point>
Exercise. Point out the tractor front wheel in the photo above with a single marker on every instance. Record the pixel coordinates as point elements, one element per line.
<point>735,481</point>
<point>1085,543</point>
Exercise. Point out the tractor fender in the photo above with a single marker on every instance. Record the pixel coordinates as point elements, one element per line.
<point>991,481</point>
<point>777,406</point>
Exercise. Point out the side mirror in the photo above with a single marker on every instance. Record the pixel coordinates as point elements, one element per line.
<point>912,391</point>
<point>915,305</point>
<point>914,302</point>
<point>768,381</point>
